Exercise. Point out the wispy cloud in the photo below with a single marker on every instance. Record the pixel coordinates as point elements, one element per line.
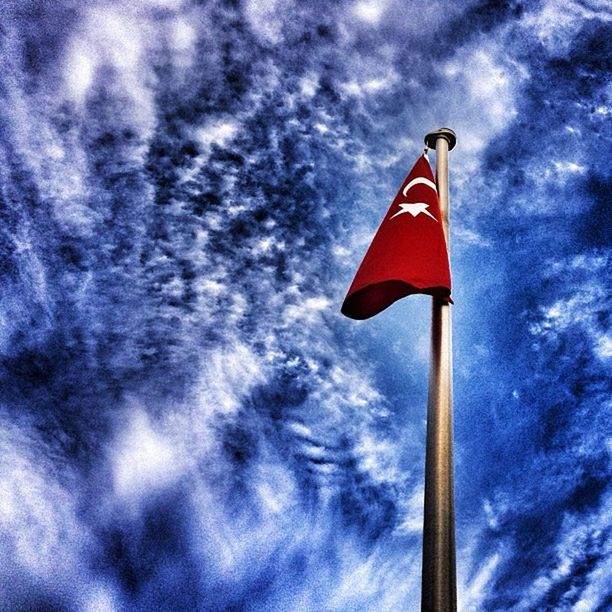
<point>186,188</point>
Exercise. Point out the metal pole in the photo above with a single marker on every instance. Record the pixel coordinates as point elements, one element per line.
<point>439,583</point>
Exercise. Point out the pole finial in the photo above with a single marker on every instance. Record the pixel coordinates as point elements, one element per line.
<point>446,133</point>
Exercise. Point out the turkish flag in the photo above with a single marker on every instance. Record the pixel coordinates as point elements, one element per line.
<point>408,253</point>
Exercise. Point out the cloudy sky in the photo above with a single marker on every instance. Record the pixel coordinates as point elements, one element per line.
<point>186,189</point>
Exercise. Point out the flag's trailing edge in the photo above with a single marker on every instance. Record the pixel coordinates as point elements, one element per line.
<point>408,253</point>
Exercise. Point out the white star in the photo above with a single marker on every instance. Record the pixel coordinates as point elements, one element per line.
<point>414,209</point>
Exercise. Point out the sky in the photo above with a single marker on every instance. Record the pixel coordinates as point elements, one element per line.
<point>187,187</point>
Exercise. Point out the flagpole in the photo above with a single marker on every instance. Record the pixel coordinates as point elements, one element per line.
<point>439,584</point>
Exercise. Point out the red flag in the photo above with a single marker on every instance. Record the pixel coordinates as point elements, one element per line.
<point>408,253</point>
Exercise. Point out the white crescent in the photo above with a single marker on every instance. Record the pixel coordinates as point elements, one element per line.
<point>419,181</point>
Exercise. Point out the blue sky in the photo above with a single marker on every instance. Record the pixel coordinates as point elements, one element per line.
<point>186,189</point>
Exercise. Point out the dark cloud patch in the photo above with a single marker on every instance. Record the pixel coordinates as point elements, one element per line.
<point>43,31</point>
<point>481,18</point>
<point>150,557</point>
<point>598,191</point>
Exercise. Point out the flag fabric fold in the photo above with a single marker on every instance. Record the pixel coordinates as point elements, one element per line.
<point>408,253</point>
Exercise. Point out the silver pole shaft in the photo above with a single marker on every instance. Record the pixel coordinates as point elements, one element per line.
<point>439,583</point>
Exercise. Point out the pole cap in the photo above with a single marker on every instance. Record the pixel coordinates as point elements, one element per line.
<point>446,133</point>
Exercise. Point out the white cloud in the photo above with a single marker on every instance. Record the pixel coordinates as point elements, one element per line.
<point>468,236</point>
<point>100,598</point>
<point>369,11</point>
<point>275,488</point>
<point>473,594</point>
<point>555,171</point>
<point>603,347</point>
<point>581,309</point>
<point>183,38</point>
<point>119,38</point>
<point>150,455</point>
<point>377,582</point>
<point>478,100</point>
<point>413,512</point>
<point>557,22</point>
<point>228,374</point>
<point>378,457</point>
<point>183,34</point>
<point>40,528</point>
<point>266,18</point>
<point>308,310</point>
<point>570,167</point>
<point>218,132</point>
<point>80,67</point>
<point>491,514</point>
<point>143,459</point>
<point>369,85</point>
<point>482,90</point>
<point>577,542</point>
<point>308,85</point>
